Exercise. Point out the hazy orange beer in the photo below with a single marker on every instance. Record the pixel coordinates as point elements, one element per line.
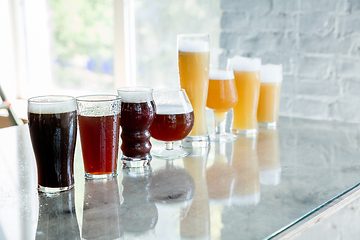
<point>269,100</point>
<point>247,80</point>
<point>193,61</point>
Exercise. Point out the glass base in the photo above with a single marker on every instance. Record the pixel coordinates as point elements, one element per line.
<point>196,141</point>
<point>129,162</point>
<point>169,154</point>
<point>268,125</point>
<point>223,137</point>
<point>100,176</point>
<point>247,132</point>
<point>54,190</point>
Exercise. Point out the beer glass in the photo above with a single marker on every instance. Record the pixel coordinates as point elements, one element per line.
<point>173,121</point>
<point>99,126</point>
<point>222,96</point>
<point>193,62</point>
<point>247,80</point>
<point>137,114</point>
<point>269,100</point>
<point>52,124</point>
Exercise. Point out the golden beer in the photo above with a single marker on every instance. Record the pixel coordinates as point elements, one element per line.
<point>193,61</point>
<point>247,80</point>
<point>269,100</point>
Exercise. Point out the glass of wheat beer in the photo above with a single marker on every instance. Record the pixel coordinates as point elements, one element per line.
<point>222,96</point>
<point>269,100</point>
<point>53,128</point>
<point>193,62</point>
<point>247,80</point>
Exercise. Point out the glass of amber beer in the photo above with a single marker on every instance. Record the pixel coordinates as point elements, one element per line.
<point>269,100</point>
<point>137,114</point>
<point>193,62</point>
<point>53,128</point>
<point>222,97</point>
<point>99,125</point>
<point>173,121</point>
<point>247,80</point>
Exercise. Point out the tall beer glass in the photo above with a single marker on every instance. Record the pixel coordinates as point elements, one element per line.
<point>269,100</point>
<point>247,79</point>
<point>193,61</point>
<point>53,129</point>
<point>222,97</point>
<point>137,114</point>
<point>99,125</point>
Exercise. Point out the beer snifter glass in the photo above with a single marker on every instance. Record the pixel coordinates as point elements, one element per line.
<point>222,97</point>
<point>52,124</point>
<point>193,62</point>
<point>99,126</point>
<point>173,121</point>
<point>137,114</point>
<point>269,100</point>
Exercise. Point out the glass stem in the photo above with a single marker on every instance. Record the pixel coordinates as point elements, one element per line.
<point>220,127</point>
<point>169,145</point>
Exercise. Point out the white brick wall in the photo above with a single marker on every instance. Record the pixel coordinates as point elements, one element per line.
<point>318,43</point>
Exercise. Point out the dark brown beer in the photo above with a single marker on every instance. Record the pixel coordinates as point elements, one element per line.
<point>53,137</point>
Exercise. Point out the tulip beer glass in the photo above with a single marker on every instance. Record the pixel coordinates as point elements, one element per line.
<point>247,80</point>
<point>193,61</point>
<point>137,114</point>
<point>269,100</point>
<point>99,125</point>
<point>173,121</point>
<point>222,97</point>
<point>53,129</point>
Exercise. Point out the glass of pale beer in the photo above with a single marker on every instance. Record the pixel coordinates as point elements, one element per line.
<point>222,96</point>
<point>193,62</point>
<point>269,100</point>
<point>247,80</point>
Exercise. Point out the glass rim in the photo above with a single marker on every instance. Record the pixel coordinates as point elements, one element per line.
<point>193,35</point>
<point>92,98</point>
<point>135,89</point>
<point>52,98</point>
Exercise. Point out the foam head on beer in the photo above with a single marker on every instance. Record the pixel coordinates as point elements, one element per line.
<point>217,74</point>
<point>243,64</point>
<point>185,45</point>
<point>135,95</point>
<point>271,73</point>
<point>52,104</point>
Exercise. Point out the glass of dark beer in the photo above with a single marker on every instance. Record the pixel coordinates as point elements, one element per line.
<point>99,126</point>
<point>52,124</point>
<point>173,121</point>
<point>137,114</point>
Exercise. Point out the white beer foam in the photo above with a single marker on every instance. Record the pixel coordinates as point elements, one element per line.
<point>271,73</point>
<point>51,104</point>
<point>216,74</point>
<point>244,64</point>
<point>135,95</point>
<point>193,46</point>
<point>172,109</point>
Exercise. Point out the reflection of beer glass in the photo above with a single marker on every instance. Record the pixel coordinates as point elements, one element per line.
<point>247,79</point>
<point>269,100</point>
<point>99,125</point>
<point>53,129</point>
<point>222,96</point>
<point>245,163</point>
<point>57,216</point>
<point>268,151</point>
<point>173,121</point>
<point>193,61</point>
<point>101,217</point>
<point>137,114</point>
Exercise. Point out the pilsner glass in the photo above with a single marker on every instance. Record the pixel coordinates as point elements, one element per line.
<point>222,97</point>
<point>193,61</point>
<point>53,129</point>
<point>269,100</point>
<point>247,80</point>
<point>99,125</point>
<point>173,121</point>
<point>137,114</point>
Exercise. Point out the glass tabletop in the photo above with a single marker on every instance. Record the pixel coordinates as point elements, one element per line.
<point>252,187</point>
